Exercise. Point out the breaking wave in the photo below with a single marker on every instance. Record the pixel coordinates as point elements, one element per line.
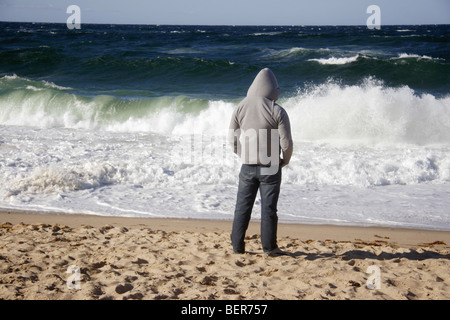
<point>369,113</point>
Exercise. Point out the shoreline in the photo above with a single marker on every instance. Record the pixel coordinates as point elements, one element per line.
<point>400,236</point>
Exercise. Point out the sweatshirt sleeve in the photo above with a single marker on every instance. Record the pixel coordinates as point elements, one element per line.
<point>284,131</point>
<point>234,133</point>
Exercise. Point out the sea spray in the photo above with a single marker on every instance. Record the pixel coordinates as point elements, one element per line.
<point>369,113</point>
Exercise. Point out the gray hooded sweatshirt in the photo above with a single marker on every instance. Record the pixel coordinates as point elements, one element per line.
<point>261,124</point>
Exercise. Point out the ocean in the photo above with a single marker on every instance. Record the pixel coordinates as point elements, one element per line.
<point>131,120</point>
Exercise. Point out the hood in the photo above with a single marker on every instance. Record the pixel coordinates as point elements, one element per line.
<point>265,85</point>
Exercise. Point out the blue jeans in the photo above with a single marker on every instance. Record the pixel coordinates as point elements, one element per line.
<point>250,180</point>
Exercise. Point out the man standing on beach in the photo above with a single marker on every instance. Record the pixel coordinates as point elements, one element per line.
<point>265,130</point>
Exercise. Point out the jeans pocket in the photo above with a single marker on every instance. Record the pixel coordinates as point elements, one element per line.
<point>246,173</point>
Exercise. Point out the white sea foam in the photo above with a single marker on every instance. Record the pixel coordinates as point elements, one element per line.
<point>18,82</point>
<point>274,33</point>
<point>365,154</point>
<point>415,56</point>
<point>369,114</point>
<point>336,61</point>
<point>142,174</point>
<point>292,52</point>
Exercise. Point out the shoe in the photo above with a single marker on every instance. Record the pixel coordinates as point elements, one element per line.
<point>276,253</point>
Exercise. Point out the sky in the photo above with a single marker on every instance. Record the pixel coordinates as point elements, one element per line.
<point>229,12</point>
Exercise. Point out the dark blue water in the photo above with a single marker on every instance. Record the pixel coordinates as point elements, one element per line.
<point>220,61</point>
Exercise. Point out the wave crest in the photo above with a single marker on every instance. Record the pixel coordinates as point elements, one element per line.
<point>369,113</point>
<point>336,61</point>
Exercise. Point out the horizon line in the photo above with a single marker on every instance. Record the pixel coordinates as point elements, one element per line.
<point>230,25</point>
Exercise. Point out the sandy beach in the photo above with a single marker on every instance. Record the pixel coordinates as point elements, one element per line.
<point>42,256</point>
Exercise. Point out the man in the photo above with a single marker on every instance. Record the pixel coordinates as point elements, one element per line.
<point>265,130</point>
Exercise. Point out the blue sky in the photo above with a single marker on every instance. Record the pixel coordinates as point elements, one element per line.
<point>229,12</point>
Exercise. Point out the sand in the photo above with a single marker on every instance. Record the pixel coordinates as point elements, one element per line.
<point>42,256</point>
